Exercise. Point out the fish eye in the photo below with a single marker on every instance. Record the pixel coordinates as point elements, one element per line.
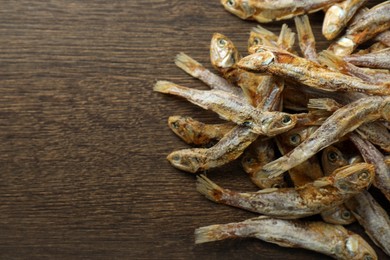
<point>176,157</point>
<point>343,186</point>
<point>364,175</point>
<point>346,214</point>
<point>286,120</point>
<point>230,3</point>
<point>368,257</point>
<point>333,156</point>
<point>295,139</point>
<point>247,124</point>
<point>249,160</point>
<point>221,42</point>
<point>175,125</point>
<point>256,41</point>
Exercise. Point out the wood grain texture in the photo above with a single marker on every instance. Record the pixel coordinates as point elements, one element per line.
<point>83,138</point>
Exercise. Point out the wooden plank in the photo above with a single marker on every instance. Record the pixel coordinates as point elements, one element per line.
<point>83,138</point>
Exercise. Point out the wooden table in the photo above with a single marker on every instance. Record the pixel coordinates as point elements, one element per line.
<point>83,138</point>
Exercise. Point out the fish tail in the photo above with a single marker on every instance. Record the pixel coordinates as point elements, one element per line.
<point>326,104</point>
<point>188,64</point>
<point>213,233</point>
<point>331,60</point>
<point>262,31</point>
<point>208,188</point>
<point>286,38</point>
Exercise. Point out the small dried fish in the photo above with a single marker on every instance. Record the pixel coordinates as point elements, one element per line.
<point>341,122</point>
<point>231,108</point>
<point>331,240</point>
<point>281,63</point>
<point>290,203</point>
<point>229,148</point>
<point>259,153</point>
<point>373,218</point>
<point>265,11</point>
<point>373,22</point>
<point>371,154</point>
<point>338,15</point>
<point>332,159</point>
<point>379,59</point>
<point>307,42</point>
<point>194,132</point>
<point>196,70</point>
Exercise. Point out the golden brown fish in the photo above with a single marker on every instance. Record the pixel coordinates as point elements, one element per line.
<point>290,203</point>
<point>194,132</point>
<point>332,240</point>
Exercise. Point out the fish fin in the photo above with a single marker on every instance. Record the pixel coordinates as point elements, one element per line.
<point>163,86</point>
<point>286,38</point>
<point>262,31</point>
<point>208,188</point>
<point>321,183</point>
<point>210,233</point>
<point>188,64</point>
<point>267,190</point>
<point>327,104</point>
<point>274,168</point>
<point>332,61</point>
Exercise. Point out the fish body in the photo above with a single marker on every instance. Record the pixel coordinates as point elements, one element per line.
<point>233,109</point>
<point>265,11</point>
<point>328,239</point>
<point>194,132</point>
<point>229,148</point>
<point>377,60</point>
<point>373,218</point>
<point>291,67</point>
<point>197,70</point>
<point>290,203</point>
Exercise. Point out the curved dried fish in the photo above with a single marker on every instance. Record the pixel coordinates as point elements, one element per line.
<point>290,203</point>
<point>331,240</point>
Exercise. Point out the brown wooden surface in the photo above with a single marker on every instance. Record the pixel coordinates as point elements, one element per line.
<point>83,138</point>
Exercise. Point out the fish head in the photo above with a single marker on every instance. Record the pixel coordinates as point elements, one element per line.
<point>332,159</point>
<point>256,40</point>
<point>294,137</point>
<point>333,22</point>
<point>240,8</point>
<point>223,53</point>
<point>258,61</point>
<point>353,178</point>
<point>274,123</point>
<point>182,127</point>
<point>186,160</point>
<point>358,248</point>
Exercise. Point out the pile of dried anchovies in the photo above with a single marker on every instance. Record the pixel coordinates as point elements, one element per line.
<point>325,115</point>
